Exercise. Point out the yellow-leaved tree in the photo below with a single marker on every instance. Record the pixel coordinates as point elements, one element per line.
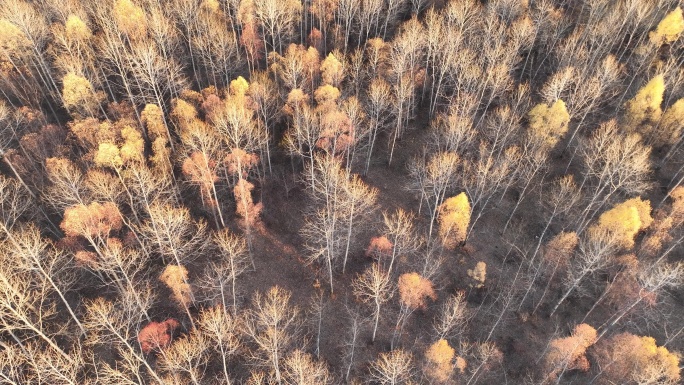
<point>623,222</point>
<point>670,129</point>
<point>78,95</point>
<point>76,29</point>
<point>644,108</point>
<point>454,218</point>
<point>547,123</point>
<point>130,19</point>
<point>669,29</point>
<point>133,147</point>
<point>153,118</point>
<point>332,71</point>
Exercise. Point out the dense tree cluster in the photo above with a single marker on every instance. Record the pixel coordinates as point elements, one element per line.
<point>341,191</point>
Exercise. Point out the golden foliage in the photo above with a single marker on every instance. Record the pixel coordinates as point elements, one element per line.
<point>332,71</point>
<point>548,124</point>
<point>670,128</point>
<point>624,221</point>
<point>160,156</point>
<point>326,95</point>
<point>152,118</point>
<point>440,361</point>
<point>454,217</point>
<point>108,155</point>
<point>239,86</point>
<point>134,145</point>
<point>645,106</point>
<point>669,28</point>
<point>94,220</point>
<point>478,274</point>
<point>11,37</point>
<point>176,278</point>
<point>130,19</point>
<point>183,113</point>
<point>76,29</point>
<point>414,290</point>
<point>211,5</point>
<point>569,353</point>
<point>677,210</point>
<point>77,91</point>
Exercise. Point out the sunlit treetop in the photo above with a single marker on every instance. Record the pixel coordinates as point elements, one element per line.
<point>130,19</point>
<point>548,124</point>
<point>669,28</point>
<point>108,155</point>
<point>440,357</point>
<point>76,90</point>
<point>624,221</point>
<point>152,117</point>
<point>76,29</point>
<point>645,106</point>
<point>332,70</point>
<point>454,217</point>
<point>414,290</point>
<point>133,147</point>
<point>11,37</point>
<point>239,86</point>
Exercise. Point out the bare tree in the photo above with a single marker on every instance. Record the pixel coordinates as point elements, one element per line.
<point>434,178</point>
<point>116,324</point>
<point>173,233</point>
<point>393,368</point>
<point>186,358</point>
<point>594,253</point>
<point>452,317</point>
<point>301,369</point>
<point>221,329</point>
<point>374,286</point>
<point>272,325</point>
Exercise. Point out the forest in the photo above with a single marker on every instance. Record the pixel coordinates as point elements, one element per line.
<point>324,192</point>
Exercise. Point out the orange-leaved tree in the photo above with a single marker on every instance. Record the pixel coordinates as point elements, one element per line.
<point>631,359</point>
<point>440,363</point>
<point>157,335</point>
<point>569,353</point>
<point>414,292</point>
